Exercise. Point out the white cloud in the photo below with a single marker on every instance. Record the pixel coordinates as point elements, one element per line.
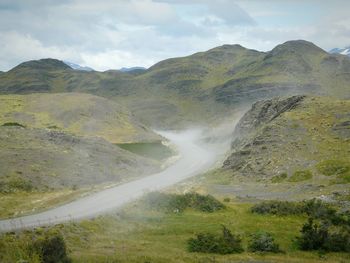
<point>17,47</point>
<point>115,33</point>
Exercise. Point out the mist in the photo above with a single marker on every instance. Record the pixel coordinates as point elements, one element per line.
<point>198,149</point>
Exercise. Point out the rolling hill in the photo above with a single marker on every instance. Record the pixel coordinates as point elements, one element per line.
<point>62,140</point>
<point>76,113</point>
<point>197,88</point>
<point>40,159</point>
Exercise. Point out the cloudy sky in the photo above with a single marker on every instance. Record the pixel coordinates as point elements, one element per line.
<point>107,34</point>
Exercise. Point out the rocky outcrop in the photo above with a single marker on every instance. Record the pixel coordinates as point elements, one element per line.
<point>263,112</point>
<point>253,136</point>
<point>280,139</point>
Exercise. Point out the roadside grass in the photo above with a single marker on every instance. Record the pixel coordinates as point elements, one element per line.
<point>138,234</point>
<point>301,175</point>
<point>338,168</point>
<point>22,203</point>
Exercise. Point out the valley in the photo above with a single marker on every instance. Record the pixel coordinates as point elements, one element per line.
<point>139,165</point>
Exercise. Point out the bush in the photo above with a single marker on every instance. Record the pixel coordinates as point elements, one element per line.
<point>333,167</point>
<point>338,168</point>
<point>16,124</point>
<point>316,236</point>
<point>301,175</point>
<point>227,243</point>
<point>14,184</point>
<point>263,242</point>
<point>312,236</point>
<point>204,203</point>
<point>278,208</point>
<point>51,248</point>
<point>317,209</point>
<point>38,246</point>
<point>279,178</point>
<point>178,203</point>
<point>314,208</point>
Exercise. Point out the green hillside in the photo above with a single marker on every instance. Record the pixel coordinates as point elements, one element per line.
<point>177,91</point>
<point>77,113</point>
<point>284,136</point>
<point>288,148</point>
<point>53,143</point>
<point>40,159</point>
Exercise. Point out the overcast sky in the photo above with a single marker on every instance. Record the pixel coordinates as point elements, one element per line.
<point>110,34</point>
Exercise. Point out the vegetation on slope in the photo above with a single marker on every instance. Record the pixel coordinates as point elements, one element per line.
<point>47,159</point>
<point>177,91</point>
<point>304,139</point>
<point>76,113</point>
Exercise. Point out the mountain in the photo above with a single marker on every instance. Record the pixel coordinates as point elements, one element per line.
<point>133,69</point>
<point>78,67</point>
<point>46,64</point>
<point>342,51</point>
<point>42,75</point>
<point>201,87</point>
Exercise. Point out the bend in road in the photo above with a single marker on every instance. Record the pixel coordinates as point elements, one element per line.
<point>194,158</point>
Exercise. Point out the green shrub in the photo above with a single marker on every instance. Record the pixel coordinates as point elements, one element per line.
<point>333,167</point>
<point>20,184</point>
<point>279,178</point>
<point>325,237</point>
<point>312,236</point>
<point>15,183</point>
<point>317,209</point>
<point>278,208</point>
<point>227,243</point>
<point>16,124</point>
<point>38,246</point>
<point>344,178</point>
<point>178,203</point>
<point>338,168</point>
<point>51,247</point>
<point>314,208</point>
<point>263,242</point>
<point>204,203</point>
<point>301,175</point>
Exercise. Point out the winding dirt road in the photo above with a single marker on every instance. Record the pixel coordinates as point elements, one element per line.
<point>194,158</point>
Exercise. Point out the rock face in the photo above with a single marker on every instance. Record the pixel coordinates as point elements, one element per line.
<point>289,135</point>
<point>250,138</point>
<point>263,112</point>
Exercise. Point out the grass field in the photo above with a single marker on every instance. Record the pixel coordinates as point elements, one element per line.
<point>140,234</point>
<point>22,203</point>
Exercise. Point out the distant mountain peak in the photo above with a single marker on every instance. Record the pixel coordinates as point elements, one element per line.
<point>342,51</point>
<point>298,46</point>
<point>77,66</point>
<point>125,69</point>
